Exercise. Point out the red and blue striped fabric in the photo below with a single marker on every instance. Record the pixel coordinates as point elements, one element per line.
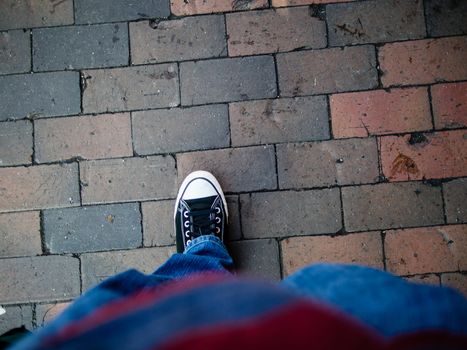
<point>221,312</point>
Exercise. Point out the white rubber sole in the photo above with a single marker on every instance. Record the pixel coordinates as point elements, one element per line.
<point>201,174</point>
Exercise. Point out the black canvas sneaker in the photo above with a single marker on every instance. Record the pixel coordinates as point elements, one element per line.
<point>200,209</point>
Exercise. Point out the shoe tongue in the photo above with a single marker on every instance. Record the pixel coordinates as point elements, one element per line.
<point>201,223</point>
<point>201,203</point>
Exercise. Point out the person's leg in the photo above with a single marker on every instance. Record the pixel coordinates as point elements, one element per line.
<point>199,218</point>
<point>385,302</point>
<point>206,253</point>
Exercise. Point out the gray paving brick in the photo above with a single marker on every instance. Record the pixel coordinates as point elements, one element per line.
<point>15,52</point>
<point>178,40</point>
<point>129,179</point>
<point>327,70</point>
<point>290,213</point>
<point>20,234</point>
<point>38,13</point>
<point>41,278</point>
<point>122,89</point>
<point>455,199</point>
<point>15,142</point>
<point>270,31</point>
<point>237,169</point>
<point>224,80</point>
<point>446,17</point>
<point>43,94</point>
<point>180,129</point>
<point>279,120</point>
<point>375,21</point>
<point>78,47</point>
<point>92,228</point>
<point>96,267</point>
<point>16,316</point>
<point>258,257</point>
<point>335,162</point>
<point>391,205</point>
<point>90,11</point>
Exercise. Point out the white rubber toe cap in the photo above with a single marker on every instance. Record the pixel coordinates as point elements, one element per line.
<point>199,188</point>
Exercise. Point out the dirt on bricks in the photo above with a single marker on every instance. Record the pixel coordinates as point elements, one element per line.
<point>337,128</point>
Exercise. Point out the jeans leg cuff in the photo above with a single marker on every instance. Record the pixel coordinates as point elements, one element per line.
<point>205,239</point>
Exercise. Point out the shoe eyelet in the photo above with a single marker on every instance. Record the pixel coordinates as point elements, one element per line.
<point>188,242</point>
<point>218,230</point>
<point>218,210</point>
<point>187,233</point>
<point>218,220</point>
<point>185,214</point>
<point>186,224</point>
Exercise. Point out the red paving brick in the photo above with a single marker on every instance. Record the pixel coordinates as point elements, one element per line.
<point>426,279</point>
<point>455,280</point>
<point>20,234</point>
<point>449,105</point>
<point>47,312</point>
<point>427,249</point>
<point>424,156</point>
<point>89,137</point>
<point>326,122</point>
<point>129,179</point>
<point>379,112</point>
<point>360,248</point>
<point>423,61</point>
<point>39,187</point>
<point>16,143</point>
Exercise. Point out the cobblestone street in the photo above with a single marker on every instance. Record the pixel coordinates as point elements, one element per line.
<point>338,130</point>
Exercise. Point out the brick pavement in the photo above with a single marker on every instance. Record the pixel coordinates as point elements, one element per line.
<point>337,128</point>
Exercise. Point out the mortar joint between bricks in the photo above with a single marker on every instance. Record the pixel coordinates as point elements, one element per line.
<point>129,43</point>
<point>276,72</point>
<point>276,167</point>
<point>383,249</point>
<point>45,250</point>
<point>430,103</point>
<point>443,204</point>
<point>80,184</point>
<point>379,71</point>
<point>140,208</point>
<point>281,263</point>
<point>33,156</point>
<point>425,19</point>
<point>34,316</point>
<point>80,264</point>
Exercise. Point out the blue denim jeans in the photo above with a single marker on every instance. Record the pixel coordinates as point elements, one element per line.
<point>382,301</point>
